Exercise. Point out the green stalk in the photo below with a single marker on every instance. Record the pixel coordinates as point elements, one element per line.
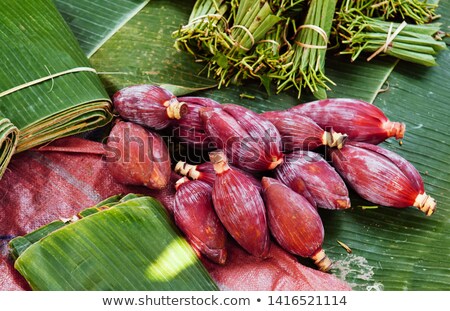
<point>380,38</point>
<point>257,23</point>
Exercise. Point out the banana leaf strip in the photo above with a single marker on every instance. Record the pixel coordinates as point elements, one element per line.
<point>48,88</point>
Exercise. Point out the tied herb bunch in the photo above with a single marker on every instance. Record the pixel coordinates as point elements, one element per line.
<point>283,43</point>
<point>307,62</point>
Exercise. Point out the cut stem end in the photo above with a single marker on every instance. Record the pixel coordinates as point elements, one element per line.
<point>176,110</point>
<point>275,162</point>
<point>396,129</point>
<point>183,168</point>
<point>181,181</point>
<point>334,139</point>
<point>425,203</point>
<point>343,203</point>
<point>322,261</point>
<point>219,160</point>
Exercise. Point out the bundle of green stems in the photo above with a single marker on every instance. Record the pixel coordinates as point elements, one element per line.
<point>307,62</point>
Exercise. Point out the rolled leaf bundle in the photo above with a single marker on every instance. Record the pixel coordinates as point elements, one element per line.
<point>190,127</point>
<point>240,207</point>
<point>301,132</point>
<point>251,142</point>
<point>8,142</point>
<point>294,222</point>
<point>205,172</point>
<point>47,88</point>
<point>124,243</point>
<point>308,174</point>
<point>359,120</point>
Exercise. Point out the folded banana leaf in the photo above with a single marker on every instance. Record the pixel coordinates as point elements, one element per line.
<point>126,244</point>
<point>8,142</point>
<point>47,86</point>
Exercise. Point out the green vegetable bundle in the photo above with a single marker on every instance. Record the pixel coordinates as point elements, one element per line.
<point>241,39</point>
<point>308,57</point>
<point>225,36</point>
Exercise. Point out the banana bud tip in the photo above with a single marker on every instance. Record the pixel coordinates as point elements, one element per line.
<point>343,203</point>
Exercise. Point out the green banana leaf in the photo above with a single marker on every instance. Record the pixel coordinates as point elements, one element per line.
<point>94,22</point>
<point>119,244</point>
<point>36,48</point>
<point>392,249</point>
